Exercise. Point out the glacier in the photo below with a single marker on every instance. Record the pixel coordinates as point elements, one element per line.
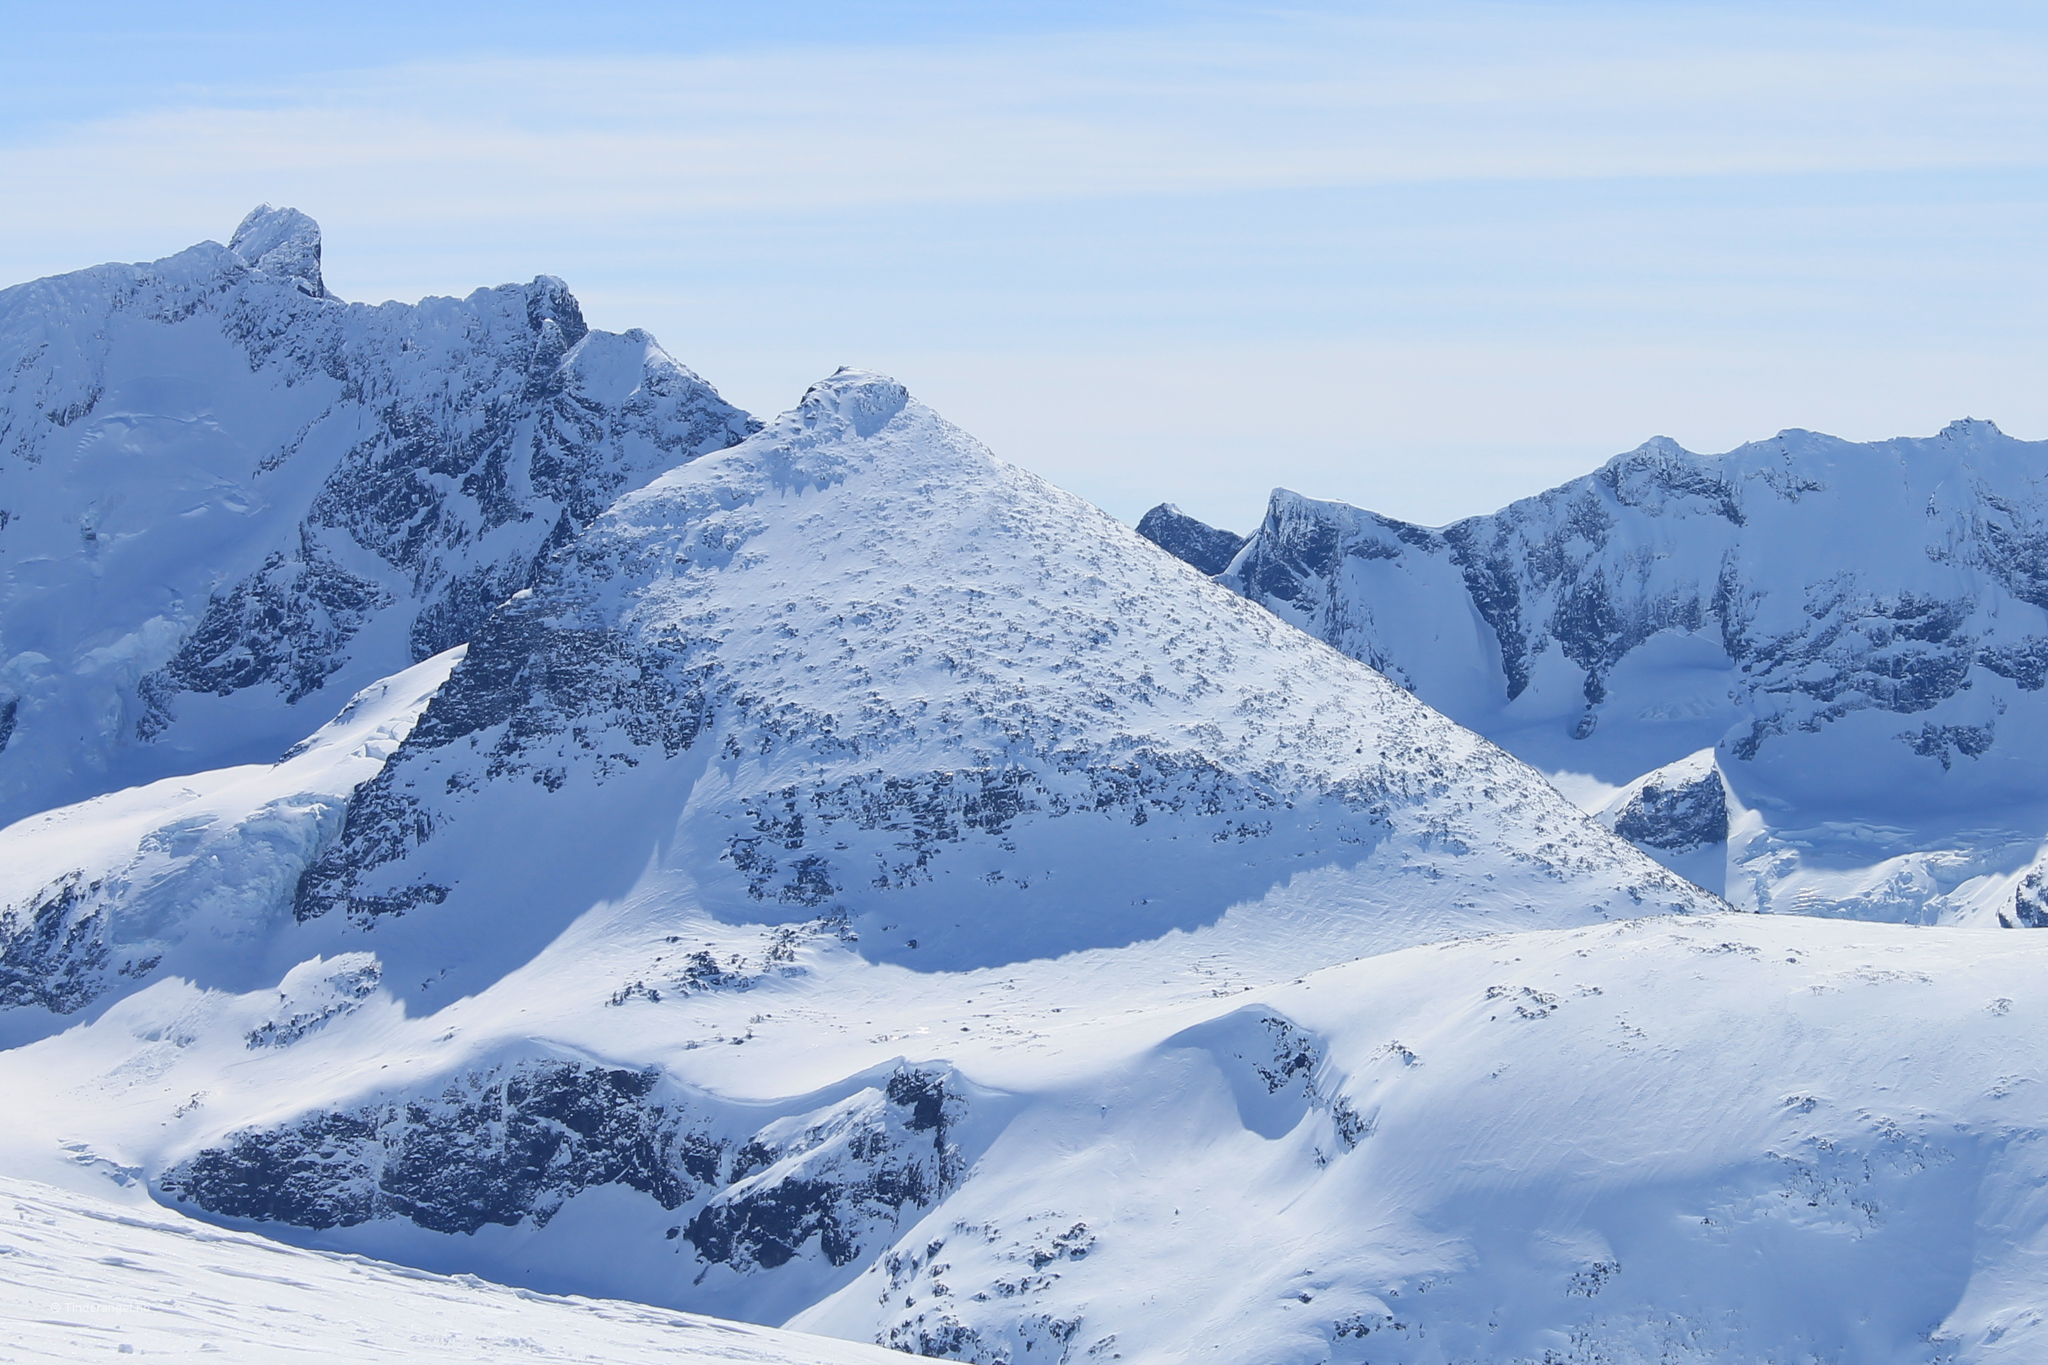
<point>839,882</point>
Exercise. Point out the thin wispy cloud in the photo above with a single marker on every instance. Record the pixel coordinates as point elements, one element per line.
<point>1553,180</point>
<point>1307,102</point>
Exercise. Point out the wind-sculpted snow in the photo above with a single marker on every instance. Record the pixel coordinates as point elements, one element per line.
<point>856,666</point>
<point>227,498</point>
<point>1858,630</point>
<point>85,1277</point>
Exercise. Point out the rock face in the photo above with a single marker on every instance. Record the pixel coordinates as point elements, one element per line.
<point>1859,631</point>
<point>1678,808</point>
<point>228,500</point>
<point>1198,543</point>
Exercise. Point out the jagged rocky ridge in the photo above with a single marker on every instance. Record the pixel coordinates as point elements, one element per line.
<point>1858,631</point>
<point>228,499</point>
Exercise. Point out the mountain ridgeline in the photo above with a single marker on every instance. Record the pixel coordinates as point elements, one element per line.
<point>228,500</point>
<point>1858,632</point>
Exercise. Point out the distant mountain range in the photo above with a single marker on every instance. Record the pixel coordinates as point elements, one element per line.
<point>1842,647</point>
<point>228,500</point>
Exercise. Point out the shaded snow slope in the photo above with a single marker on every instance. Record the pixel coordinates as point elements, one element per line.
<point>1859,631</point>
<point>83,1277</point>
<point>190,875</point>
<point>228,500</point>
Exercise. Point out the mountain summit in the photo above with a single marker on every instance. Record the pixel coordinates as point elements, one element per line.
<point>229,500</point>
<point>856,666</point>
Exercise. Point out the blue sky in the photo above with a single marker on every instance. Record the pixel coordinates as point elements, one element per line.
<point>1425,258</point>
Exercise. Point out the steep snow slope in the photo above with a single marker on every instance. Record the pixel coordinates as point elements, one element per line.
<point>228,499</point>
<point>822,808</point>
<point>1859,631</point>
<point>84,1277</point>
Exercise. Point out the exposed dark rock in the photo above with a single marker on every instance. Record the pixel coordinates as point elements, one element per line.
<point>1677,813</point>
<point>495,1147</point>
<point>2030,900</point>
<point>1198,543</point>
<point>53,951</point>
<point>287,624</point>
<point>844,1176</point>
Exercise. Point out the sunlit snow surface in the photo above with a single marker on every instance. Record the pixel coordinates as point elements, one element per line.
<point>84,1278</point>
<point>862,888</point>
<point>1725,1138</point>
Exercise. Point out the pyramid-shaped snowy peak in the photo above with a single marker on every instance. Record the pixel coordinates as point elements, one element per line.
<point>857,668</point>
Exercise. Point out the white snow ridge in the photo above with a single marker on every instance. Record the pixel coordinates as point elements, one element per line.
<point>829,879</point>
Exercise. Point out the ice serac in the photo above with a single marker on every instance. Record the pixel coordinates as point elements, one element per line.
<point>1207,547</point>
<point>191,876</point>
<point>856,667</point>
<point>229,500</point>
<point>1859,631</point>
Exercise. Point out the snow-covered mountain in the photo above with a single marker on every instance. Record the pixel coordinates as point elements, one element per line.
<point>1859,633</point>
<point>846,882</point>
<point>229,500</point>
<point>821,804</point>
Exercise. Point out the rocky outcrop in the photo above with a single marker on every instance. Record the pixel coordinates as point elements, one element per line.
<point>1208,548</point>
<point>498,1146</point>
<point>511,1144</point>
<point>1678,808</point>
